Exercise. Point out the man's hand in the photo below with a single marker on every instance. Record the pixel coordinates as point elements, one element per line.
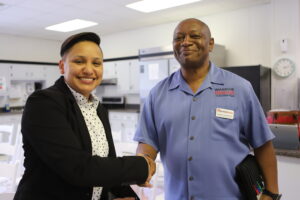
<point>151,169</point>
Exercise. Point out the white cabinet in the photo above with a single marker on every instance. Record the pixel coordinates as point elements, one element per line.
<point>109,70</point>
<point>10,128</point>
<point>123,125</point>
<point>123,76</point>
<point>18,80</point>
<point>4,79</point>
<point>134,86</point>
<point>127,74</point>
<point>27,72</point>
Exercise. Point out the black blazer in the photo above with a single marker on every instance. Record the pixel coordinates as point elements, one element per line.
<point>58,152</point>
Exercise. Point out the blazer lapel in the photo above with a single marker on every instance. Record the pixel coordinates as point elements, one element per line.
<point>76,112</point>
<point>83,130</point>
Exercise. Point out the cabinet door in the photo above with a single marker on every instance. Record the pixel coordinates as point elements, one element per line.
<point>4,79</point>
<point>9,128</point>
<point>134,85</point>
<point>123,125</point>
<point>123,76</point>
<point>18,72</point>
<point>109,70</point>
<point>37,72</point>
<point>130,125</point>
<point>26,72</point>
<point>128,76</point>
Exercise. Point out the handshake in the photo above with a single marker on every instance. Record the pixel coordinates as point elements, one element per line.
<point>151,169</point>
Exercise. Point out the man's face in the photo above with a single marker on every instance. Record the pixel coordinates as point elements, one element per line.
<point>82,67</point>
<point>192,43</point>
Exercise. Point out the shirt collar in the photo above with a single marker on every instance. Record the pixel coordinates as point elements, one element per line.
<point>213,77</point>
<point>82,100</point>
<point>175,80</point>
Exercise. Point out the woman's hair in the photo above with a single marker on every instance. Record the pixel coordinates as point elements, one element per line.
<point>74,39</point>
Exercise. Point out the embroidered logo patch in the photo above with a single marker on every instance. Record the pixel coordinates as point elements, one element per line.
<point>220,92</point>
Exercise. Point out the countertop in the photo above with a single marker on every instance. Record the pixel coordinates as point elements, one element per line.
<point>127,108</point>
<point>11,113</point>
<point>124,110</point>
<point>288,153</point>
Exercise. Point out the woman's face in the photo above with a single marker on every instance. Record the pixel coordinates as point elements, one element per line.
<point>82,67</point>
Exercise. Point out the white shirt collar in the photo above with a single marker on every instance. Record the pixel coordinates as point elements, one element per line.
<point>82,100</point>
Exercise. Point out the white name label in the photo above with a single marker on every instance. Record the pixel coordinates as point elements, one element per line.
<point>225,113</point>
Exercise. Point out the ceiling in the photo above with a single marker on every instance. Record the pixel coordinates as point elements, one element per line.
<point>28,18</point>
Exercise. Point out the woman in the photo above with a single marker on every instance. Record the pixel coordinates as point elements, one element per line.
<point>69,151</point>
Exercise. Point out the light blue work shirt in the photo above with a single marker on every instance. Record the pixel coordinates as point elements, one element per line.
<point>200,145</point>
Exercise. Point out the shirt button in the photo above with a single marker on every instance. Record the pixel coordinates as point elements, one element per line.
<point>192,137</point>
<point>192,198</point>
<point>194,99</point>
<point>190,158</point>
<point>193,117</point>
<point>191,178</point>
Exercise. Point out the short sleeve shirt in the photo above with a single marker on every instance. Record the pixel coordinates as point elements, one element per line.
<point>202,136</point>
<point>95,127</point>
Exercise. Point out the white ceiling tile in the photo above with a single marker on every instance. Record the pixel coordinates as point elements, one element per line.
<point>95,5</point>
<point>64,2</point>
<point>12,2</point>
<point>30,17</point>
<point>19,12</point>
<point>123,2</point>
<point>40,5</point>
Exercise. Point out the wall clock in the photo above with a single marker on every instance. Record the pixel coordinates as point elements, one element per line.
<point>284,67</point>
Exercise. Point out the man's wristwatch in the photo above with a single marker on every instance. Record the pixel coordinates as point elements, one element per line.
<point>272,195</point>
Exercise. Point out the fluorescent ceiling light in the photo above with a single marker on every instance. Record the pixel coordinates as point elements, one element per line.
<point>155,5</point>
<point>71,25</point>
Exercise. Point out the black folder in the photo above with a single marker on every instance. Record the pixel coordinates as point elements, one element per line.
<point>249,178</point>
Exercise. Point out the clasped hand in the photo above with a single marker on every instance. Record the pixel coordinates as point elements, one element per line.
<point>151,170</point>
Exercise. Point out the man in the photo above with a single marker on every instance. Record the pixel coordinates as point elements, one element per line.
<point>202,120</point>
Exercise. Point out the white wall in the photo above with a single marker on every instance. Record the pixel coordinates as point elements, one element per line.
<point>28,49</point>
<point>285,24</point>
<point>244,32</point>
<point>128,43</point>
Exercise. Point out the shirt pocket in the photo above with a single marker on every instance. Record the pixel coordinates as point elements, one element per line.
<point>224,128</point>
